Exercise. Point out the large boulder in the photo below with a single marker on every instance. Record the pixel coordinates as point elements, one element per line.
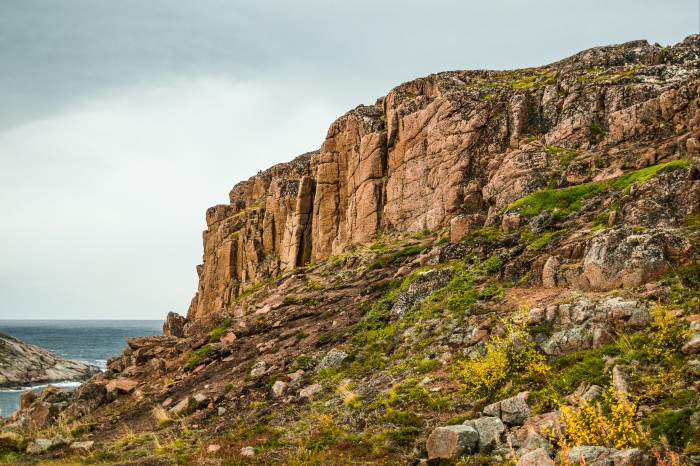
<point>491,432</point>
<point>512,411</point>
<point>174,325</point>
<point>452,441</point>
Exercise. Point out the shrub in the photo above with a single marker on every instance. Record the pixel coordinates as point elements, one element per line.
<point>610,423</point>
<point>513,354</point>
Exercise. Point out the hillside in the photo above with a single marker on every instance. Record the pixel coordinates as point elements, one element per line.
<point>483,267</point>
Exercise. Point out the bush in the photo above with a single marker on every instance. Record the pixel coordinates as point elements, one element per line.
<point>513,354</point>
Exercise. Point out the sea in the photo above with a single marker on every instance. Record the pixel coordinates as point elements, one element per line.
<point>89,341</point>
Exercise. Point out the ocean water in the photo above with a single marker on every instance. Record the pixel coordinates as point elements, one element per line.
<point>89,341</point>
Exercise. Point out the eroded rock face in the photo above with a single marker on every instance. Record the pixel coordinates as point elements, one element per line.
<point>453,149</point>
<point>22,364</point>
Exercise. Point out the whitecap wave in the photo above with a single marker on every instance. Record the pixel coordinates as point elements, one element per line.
<point>67,384</point>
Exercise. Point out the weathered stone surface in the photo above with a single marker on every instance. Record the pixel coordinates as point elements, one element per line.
<point>423,286</point>
<point>278,388</point>
<point>258,369</point>
<point>248,451</point>
<point>633,457</point>
<point>512,411</point>
<point>174,325</point>
<point>534,442</point>
<point>537,457</point>
<point>591,455</point>
<point>491,432</point>
<point>310,391</point>
<point>82,445</point>
<point>452,441</point>
<point>22,364</point>
<point>26,399</point>
<point>39,445</point>
<point>334,358</point>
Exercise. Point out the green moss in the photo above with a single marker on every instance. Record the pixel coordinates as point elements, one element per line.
<point>566,200</point>
<point>408,251</point>
<point>486,234</point>
<point>582,367</point>
<point>428,365</point>
<point>680,399</point>
<point>216,334</point>
<point>197,356</point>
<point>673,425</point>
<point>565,156</point>
<point>692,222</point>
<point>442,241</point>
<point>537,242</point>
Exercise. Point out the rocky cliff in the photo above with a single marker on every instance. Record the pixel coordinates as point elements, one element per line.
<point>23,365</point>
<point>453,150</point>
<point>484,267</point>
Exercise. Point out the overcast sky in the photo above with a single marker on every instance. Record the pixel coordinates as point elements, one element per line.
<point>122,121</point>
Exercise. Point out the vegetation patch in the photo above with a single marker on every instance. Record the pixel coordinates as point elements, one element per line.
<point>566,200</point>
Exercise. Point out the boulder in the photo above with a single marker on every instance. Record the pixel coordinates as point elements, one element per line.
<point>26,399</point>
<point>423,286</point>
<point>512,411</point>
<point>174,325</point>
<point>278,388</point>
<point>82,445</point>
<point>491,432</point>
<point>533,442</point>
<point>591,455</point>
<point>633,457</point>
<point>452,441</point>
<point>310,391</point>
<point>39,445</point>
<point>332,359</point>
<point>537,457</point>
<point>258,369</point>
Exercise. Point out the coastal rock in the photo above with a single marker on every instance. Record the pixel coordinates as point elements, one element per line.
<point>452,441</point>
<point>22,364</point>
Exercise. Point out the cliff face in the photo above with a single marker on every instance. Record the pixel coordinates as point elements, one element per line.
<point>22,364</point>
<point>453,150</point>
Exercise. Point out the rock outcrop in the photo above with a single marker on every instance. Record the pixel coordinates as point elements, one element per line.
<point>23,365</point>
<point>456,148</point>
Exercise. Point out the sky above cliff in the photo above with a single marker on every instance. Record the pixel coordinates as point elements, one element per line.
<point>121,122</point>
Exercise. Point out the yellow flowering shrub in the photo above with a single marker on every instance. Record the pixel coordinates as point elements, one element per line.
<point>589,424</point>
<point>511,354</point>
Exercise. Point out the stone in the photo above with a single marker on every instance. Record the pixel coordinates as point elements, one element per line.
<point>533,442</point>
<point>491,432</point>
<point>125,385</point>
<point>39,445</point>
<point>620,382</point>
<point>591,455</point>
<point>332,359</point>
<point>26,398</point>
<point>201,399</point>
<point>42,414</point>
<point>512,411</point>
<point>452,441</point>
<point>538,457</point>
<point>278,388</point>
<point>310,391</point>
<point>633,457</point>
<point>692,346</point>
<point>258,369</point>
<point>510,222</point>
<point>59,441</point>
<point>82,445</point>
<point>180,406</point>
<point>248,451</point>
<point>420,288</point>
<point>174,325</point>
<point>213,448</point>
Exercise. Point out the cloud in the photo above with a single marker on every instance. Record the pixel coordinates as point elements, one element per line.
<point>104,206</point>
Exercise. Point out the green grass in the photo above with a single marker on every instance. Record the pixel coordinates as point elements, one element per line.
<point>537,242</point>
<point>198,355</point>
<point>566,200</point>
<point>216,334</point>
<point>692,222</point>
<point>565,156</point>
